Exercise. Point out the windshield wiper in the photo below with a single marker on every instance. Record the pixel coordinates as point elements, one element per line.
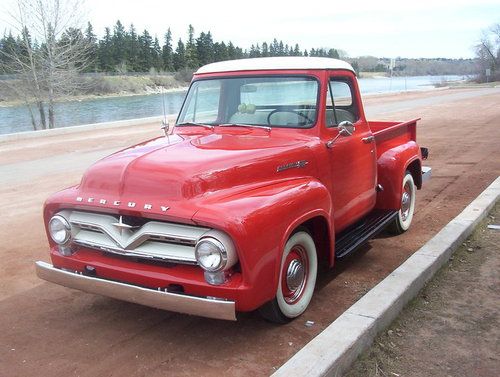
<point>195,124</point>
<point>268,129</point>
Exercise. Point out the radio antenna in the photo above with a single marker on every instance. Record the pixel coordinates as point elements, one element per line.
<point>164,123</point>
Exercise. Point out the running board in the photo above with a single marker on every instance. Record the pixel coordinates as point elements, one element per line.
<point>357,234</point>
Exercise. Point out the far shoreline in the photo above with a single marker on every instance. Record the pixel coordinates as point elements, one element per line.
<point>87,97</point>
<point>152,90</point>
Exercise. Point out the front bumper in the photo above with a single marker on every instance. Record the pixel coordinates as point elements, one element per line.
<point>205,307</point>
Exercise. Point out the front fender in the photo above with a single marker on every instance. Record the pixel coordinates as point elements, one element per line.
<point>391,167</point>
<point>260,222</point>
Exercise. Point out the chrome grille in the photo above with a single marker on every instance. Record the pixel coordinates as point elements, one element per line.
<point>152,240</point>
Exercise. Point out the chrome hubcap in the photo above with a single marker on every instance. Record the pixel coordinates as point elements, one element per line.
<point>295,275</point>
<point>406,202</point>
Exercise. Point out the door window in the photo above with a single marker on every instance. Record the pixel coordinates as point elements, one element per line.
<point>340,102</point>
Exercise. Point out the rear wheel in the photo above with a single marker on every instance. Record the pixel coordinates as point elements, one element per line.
<point>405,215</point>
<point>299,267</point>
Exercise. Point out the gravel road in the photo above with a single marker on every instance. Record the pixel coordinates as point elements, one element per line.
<point>54,331</point>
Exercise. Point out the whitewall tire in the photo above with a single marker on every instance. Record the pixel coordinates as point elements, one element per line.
<point>407,207</point>
<point>298,271</point>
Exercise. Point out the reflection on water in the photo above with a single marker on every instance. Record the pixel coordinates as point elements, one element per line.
<point>16,119</point>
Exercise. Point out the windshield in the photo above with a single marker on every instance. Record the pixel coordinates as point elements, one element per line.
<point>275,101</point>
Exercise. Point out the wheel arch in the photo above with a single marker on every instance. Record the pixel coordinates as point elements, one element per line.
<point>415,168</point>
<point>391,168</point>
<point>321,230</point>
<point>322,234</point>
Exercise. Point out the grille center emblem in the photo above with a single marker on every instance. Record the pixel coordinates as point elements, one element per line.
<point>122,226</point>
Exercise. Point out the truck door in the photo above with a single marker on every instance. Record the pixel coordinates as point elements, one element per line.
<point>352,158</point>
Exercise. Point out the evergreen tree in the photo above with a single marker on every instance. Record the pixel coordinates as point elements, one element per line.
<point>133,50</point>
<point>264,50</point>
<point>91,39</point>
<point>167,52</point>
<point>333,53</point>
<point>296,50</point>
<point>180,56</point>
<point>274,48</point>
<point>118,50</point>
<point>105,54</point>
<point>191,53</point>
<point>220,52</point>
<point>205,48</point>
<point>146,58</point>
<point>254,52</point>
<point>124,50</point>
<point>9,46</point>
<point>156,55</point>
<point>231,51</point>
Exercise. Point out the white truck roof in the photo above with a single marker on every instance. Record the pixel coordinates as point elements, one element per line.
<point>282,62</point>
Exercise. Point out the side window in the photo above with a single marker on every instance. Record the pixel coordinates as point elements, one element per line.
<point>340,102</point>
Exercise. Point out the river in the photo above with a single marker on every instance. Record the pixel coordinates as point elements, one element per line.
<point>71,113</point>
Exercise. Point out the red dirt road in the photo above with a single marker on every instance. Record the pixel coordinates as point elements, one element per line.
<point>54,331</point>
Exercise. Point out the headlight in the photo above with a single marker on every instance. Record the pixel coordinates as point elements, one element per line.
<point>215,251</point>
<point>211,254</point>
<point>59,229</point>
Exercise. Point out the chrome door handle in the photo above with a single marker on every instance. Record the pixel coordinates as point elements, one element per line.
<point>368,139</point>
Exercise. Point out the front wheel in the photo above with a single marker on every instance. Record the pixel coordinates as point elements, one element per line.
<point>299,267</point>
<point>405,215</point>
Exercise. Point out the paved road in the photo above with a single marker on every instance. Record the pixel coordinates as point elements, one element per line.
<point>440,98</point>
<point>51,330</point>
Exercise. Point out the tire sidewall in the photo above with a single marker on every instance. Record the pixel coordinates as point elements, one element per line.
<point>405,224</point>
<point>294,310</point>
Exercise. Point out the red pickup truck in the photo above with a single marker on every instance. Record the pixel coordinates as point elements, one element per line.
<point>271,170</point>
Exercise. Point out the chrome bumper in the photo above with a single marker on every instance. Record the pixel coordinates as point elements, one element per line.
<point>211,308</point>
<point>426,173</point>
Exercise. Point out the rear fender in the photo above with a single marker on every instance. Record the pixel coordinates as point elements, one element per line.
<point>260,222</point>
<point>391,167</point>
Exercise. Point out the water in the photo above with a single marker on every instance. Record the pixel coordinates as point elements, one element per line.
<point>71,113</point>
<point>401,84</point>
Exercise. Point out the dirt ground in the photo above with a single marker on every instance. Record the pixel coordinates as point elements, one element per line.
<point>453,327</point>
<point>50,330</point>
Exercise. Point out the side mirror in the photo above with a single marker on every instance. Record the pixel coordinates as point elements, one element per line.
<point>346,128</point>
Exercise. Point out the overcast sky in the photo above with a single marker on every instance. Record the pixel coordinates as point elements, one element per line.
<point>389,28</point>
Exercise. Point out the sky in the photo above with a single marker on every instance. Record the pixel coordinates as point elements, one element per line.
<point>382,28</point>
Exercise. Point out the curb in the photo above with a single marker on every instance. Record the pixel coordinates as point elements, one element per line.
<point>86,127</point>
<point>332,351</point>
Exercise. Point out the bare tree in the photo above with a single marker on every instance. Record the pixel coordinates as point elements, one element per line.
<point>52,52</point>
<point>488,53</point>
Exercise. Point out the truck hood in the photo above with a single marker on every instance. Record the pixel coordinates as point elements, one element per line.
<point>185,166</point>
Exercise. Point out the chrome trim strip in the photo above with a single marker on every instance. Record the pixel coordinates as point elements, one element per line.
<point>426,173</point>
<point>205,307</point>
<point>135,254</point>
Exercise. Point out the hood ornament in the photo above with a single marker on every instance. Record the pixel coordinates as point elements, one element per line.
<point>122,226</point>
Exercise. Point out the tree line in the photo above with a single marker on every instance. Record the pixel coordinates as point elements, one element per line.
<point>124,50</point>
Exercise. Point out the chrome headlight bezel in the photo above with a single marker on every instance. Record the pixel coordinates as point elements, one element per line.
<point>217,247</point>
<point>64,225</point>
<point>221,245</point>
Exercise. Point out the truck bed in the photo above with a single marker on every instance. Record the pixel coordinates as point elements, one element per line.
<point>391,134</point>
